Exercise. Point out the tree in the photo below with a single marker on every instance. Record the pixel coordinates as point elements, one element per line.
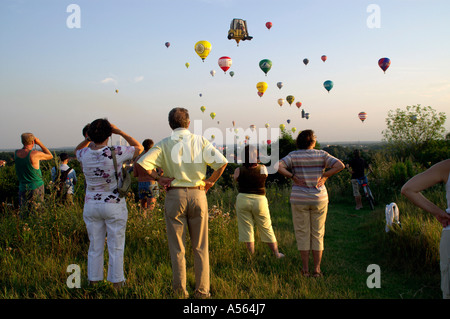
<point>408,129</point>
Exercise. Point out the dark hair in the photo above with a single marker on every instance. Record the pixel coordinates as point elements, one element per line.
<point>305,139</point>
<point>99,130</point>
<point>63,156</point>
<point>356,153</point>
<point>246,154</point>
<point>85,129</point>
<point>178,117</point>
<point>148,144</point>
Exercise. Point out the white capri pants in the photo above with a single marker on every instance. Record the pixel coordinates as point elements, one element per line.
<point>106,220</point>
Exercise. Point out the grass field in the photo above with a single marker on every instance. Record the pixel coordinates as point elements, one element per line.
<point>35,254</point>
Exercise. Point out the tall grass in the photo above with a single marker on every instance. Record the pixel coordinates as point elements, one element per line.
<point>35,252</point>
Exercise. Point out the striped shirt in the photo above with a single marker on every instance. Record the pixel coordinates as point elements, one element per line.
<point>308,165</point>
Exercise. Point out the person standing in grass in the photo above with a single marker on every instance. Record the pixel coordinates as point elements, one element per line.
<point>65,179</point>
<point>148,188</point>
<point>251,202</point>
<point>105,212</point>
<point>184,157</point>
<point>436,174</point>
<point>309,197</point>
<point>27,163</point>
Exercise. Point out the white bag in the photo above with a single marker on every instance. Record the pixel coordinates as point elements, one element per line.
<point>392,216</point>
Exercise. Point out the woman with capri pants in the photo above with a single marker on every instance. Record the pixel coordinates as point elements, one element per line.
<point>309,197</point>
<point>251,203</point>
<point>105,213</point>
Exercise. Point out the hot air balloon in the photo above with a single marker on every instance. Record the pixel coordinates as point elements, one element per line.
<point>328,85</point>
<point>225,63</point>
<point>293,129</point>
<point>238,31</point>
<point>252,127</point>
<point>213,115</point>
<point>117,91</point>
<point>290,99</point>
<point>305,61</point>
<point>212,72</point>
<point>167,44</point>
<point>282,127</point>
<point>200,94</point>
<point>262,87</point>
<point>231,73</point>
<point>213,137</point>
<point>303,114</point>
<point>280,102</point>
<point>324,58</point>
<point>362,116</point>
<point>307,116</point>
<point>236,131</point>
<point>265,65</point>
<point>269,142</point>
<point>384,63</point>
<point>202,48</point>
<point>234,123</point>
<point>298,104</point>
<point>267,125</point>
<point>187,65</point>
<point>280,85</point>
<point>268,25</point>
<point>288,121</point>
<point>203,109</point>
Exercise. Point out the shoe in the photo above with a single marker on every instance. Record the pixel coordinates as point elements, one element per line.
<point>317,274</point>
<point>305,273</point>
<point>280,255</point>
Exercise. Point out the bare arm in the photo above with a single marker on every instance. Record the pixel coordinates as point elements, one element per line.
<point>214,177</point>
<point>236,174</point>
<point>45,154</point>
<point>335,168</point>
<point>138,148</point>
<point>438,173</point>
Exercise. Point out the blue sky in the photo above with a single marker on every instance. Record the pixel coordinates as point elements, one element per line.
<point>56,79</point>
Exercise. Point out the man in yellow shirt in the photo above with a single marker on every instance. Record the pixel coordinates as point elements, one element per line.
<point>184,157</point>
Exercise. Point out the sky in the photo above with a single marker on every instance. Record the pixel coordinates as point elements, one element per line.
<point>55,78</point>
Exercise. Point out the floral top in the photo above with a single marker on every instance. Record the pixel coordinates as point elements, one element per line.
<point>99,172</point>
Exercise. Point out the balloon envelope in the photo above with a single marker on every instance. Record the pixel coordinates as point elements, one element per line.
<point>225,63</point>
<point>213,115</point>
<point>167,44</point>
<point>261,86</point>
<point>231,73</point>
<point>288,121</point>
<point>265,65</point>
<point>280,85</point>
<point>203,109</point>
<point>268,25</point>
<point>384,64</point>
<point>202,48</point>
<point>187,64</point>
<point>212,72</point>
<point>298,104</point>
<point>328,85</point>
<point>290,99</point>
<point>282,126</point>
<point>324,58</point>
<point>267,125</point>
<point>362,116</point>
<point>280,102</point>
<point>305,61</point>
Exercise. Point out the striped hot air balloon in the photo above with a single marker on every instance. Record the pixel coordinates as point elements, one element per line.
<point>362,116</point>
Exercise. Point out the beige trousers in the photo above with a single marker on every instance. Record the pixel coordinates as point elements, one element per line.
<point>187,209</point>
<point>444,252</point>
<point>309,225</point>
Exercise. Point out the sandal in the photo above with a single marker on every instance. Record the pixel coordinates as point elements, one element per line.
<point>305,273</point>
<point>317,274</point>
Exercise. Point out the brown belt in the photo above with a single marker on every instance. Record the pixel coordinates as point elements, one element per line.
<point>186,187</point>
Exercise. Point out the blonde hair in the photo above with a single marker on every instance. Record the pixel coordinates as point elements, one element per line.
<point>27,138</point>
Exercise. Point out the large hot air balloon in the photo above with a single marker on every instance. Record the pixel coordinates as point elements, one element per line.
<point>280,102</point>
<point>290,99</point>
<point>167,44</point>
<point>280,85</point>
<point>328,85</point>
<point>213,115</point>
<point>187,65</point>
<point>212,72</point>
<point>298,104</point>
<point>362,116</point>
<point>305,61</point>
<point>203,109</point>
<point>265,65</point>
<point>238,31</point>
<point>384,63</point>
<point>324,58</point>
<point>225,63</point>
<point>202,48</point>
<point>262,87</point>
<point>268,25</point>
